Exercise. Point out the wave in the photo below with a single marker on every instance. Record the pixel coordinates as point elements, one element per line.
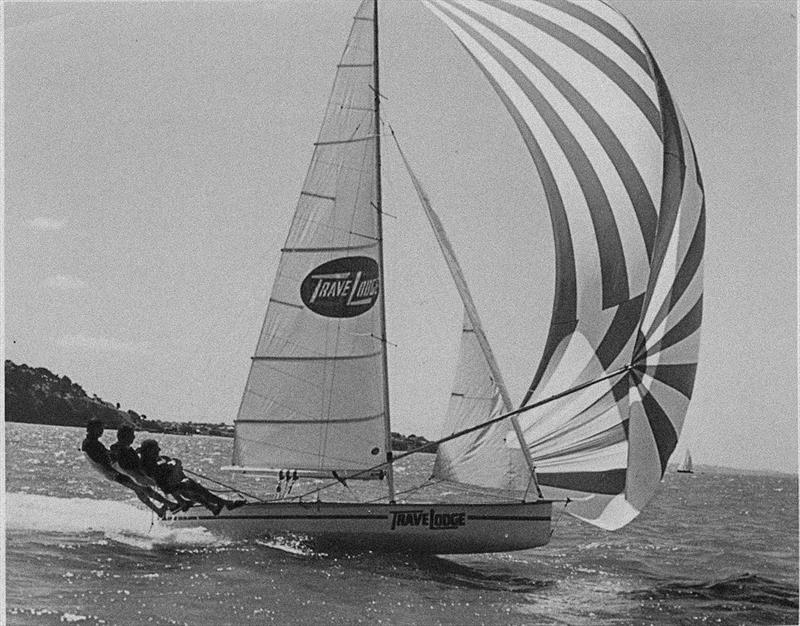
<point>750,588</point>
<point>117,521</point>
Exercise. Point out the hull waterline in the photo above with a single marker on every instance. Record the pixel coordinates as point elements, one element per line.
<point>420,528</point>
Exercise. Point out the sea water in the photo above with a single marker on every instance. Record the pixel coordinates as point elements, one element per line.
<point>712,547</point>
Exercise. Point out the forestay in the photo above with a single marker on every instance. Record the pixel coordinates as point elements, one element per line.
<point>627,210</point>
<point>315,395</point>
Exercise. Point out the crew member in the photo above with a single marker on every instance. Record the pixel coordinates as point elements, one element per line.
<point>99,457</point>
<point>169,476</point>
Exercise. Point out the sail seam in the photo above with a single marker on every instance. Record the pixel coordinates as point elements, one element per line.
<point>333,249</point>
<point>291,304</point>
<point>317,195</point>
<point>350,420</point>
<point>339,141</point>
<point>315,358</point>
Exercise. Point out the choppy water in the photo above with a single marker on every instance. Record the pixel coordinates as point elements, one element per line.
<point>711,548</point>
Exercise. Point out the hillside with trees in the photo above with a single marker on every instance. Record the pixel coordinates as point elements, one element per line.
<point>35,395</point>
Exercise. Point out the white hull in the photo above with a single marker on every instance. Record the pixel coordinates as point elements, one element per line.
<point>420,528</point>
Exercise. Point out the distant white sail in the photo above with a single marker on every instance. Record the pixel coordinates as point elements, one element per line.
<point>686,466</point>
<point>626,203</point>
<point>315,394</point>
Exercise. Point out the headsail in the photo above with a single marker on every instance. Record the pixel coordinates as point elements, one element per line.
<point>315,395</point>
<point>627,209</point>
<point>479,393</point>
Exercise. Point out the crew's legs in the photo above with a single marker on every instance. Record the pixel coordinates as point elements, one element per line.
<point>153,494</point>
<point>142,495</point>
<point>195,491</point>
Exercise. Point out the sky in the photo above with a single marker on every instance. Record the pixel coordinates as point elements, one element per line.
<point>154,152</point>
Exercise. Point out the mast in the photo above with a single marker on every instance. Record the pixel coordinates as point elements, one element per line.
<point>381,296</point>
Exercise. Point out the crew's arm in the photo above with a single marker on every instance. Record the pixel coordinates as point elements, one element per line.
<point>136,475</point>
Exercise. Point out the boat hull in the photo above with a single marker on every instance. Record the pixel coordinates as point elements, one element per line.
<point>419,528</point>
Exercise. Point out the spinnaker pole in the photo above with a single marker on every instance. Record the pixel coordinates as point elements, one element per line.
<point>381,296</point>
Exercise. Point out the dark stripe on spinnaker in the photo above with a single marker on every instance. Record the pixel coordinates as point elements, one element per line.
<point>622,328</point>
<point>687,325</point>
<point>612,255</point>
<point>672,180</point>
<point>684,275</point>
<point>601,61</point>
<point>558,332</point>
<point>663,431</point>
<point>600,25</point>
<point>629,175</point>
<point>678,376</point>
<point>609,482</point>
<point>693,258</point>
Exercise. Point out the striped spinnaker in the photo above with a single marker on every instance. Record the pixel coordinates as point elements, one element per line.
<point>626,204</point>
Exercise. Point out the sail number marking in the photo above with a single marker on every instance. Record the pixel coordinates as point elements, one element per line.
<point>428,519</point>
<point>344,287</point>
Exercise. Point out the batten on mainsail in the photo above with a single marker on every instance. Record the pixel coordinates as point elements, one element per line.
<point>315,397</point>
<point>626,205</point>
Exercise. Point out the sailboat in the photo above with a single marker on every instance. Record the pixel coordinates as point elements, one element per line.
<point>602,415</point>
<point>685,466</point>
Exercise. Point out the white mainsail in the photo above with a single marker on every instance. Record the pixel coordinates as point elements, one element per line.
<point>315,395</point>
<point>627,208</point>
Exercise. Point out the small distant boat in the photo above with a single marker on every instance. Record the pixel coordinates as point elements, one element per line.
<point>686,465</point>
<point>602,415</point>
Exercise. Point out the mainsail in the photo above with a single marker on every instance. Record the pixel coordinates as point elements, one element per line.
<point>627,209</point>
<point>315,395</point>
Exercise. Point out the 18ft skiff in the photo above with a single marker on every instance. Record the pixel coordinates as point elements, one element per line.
<point>613,384</point>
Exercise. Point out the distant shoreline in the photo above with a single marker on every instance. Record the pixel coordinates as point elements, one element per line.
<point>35,395</point>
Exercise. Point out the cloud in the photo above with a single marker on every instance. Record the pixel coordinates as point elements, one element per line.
<point>62,282</point>
<point>104,344</point>
<point>44,224</point>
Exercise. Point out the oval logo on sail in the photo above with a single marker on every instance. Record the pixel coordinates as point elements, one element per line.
<point>343,287</point>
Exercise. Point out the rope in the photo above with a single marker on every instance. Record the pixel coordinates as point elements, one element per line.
<point>230,488</point>
<point>426,484</point>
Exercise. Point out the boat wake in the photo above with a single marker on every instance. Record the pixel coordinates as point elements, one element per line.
<point>290,544</point>
<point>117,521</point>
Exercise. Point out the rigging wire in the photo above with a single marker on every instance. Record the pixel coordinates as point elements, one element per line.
<point>230,488</point>
<point>425,485</point>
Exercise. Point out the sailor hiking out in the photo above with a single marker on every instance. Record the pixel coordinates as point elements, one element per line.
<point>168,475</point>
<point>100,458</point>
